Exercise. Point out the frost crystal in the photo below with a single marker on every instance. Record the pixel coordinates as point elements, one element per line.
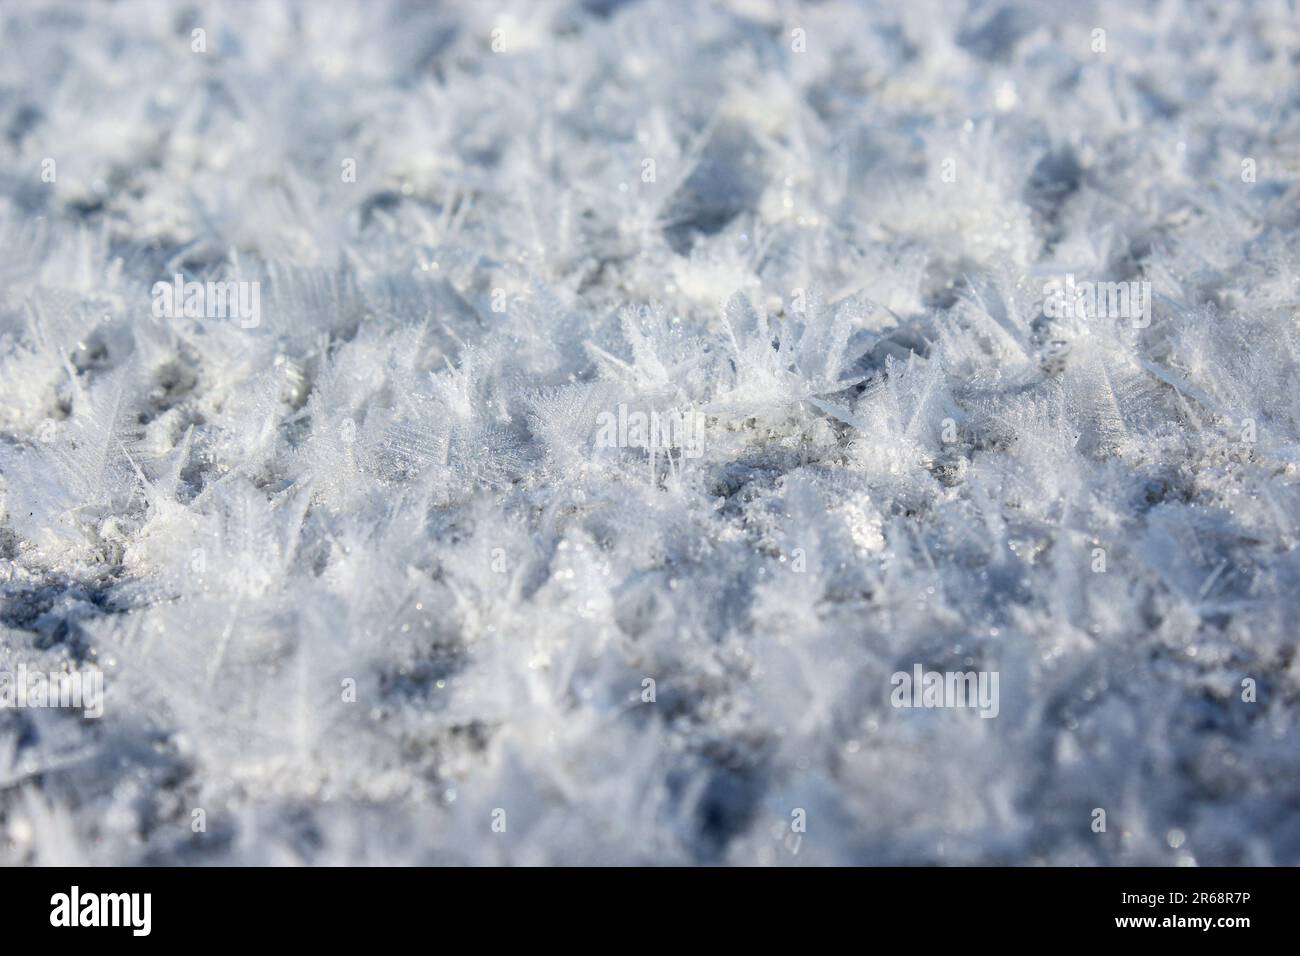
<point>552,432</point>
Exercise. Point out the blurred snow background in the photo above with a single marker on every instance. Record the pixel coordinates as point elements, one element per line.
<point>389,490</point>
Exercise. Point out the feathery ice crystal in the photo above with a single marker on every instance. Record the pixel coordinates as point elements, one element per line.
<point>544,432</point>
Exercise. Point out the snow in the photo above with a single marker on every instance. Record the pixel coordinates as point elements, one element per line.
<point>369,582</point>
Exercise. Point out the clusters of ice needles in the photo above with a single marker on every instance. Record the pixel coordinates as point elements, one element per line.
<point>538,432</point>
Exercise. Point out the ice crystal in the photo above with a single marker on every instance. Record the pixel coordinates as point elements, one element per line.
<point>408,566</point>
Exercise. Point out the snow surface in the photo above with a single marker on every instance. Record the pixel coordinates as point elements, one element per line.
<point>390,488</point>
